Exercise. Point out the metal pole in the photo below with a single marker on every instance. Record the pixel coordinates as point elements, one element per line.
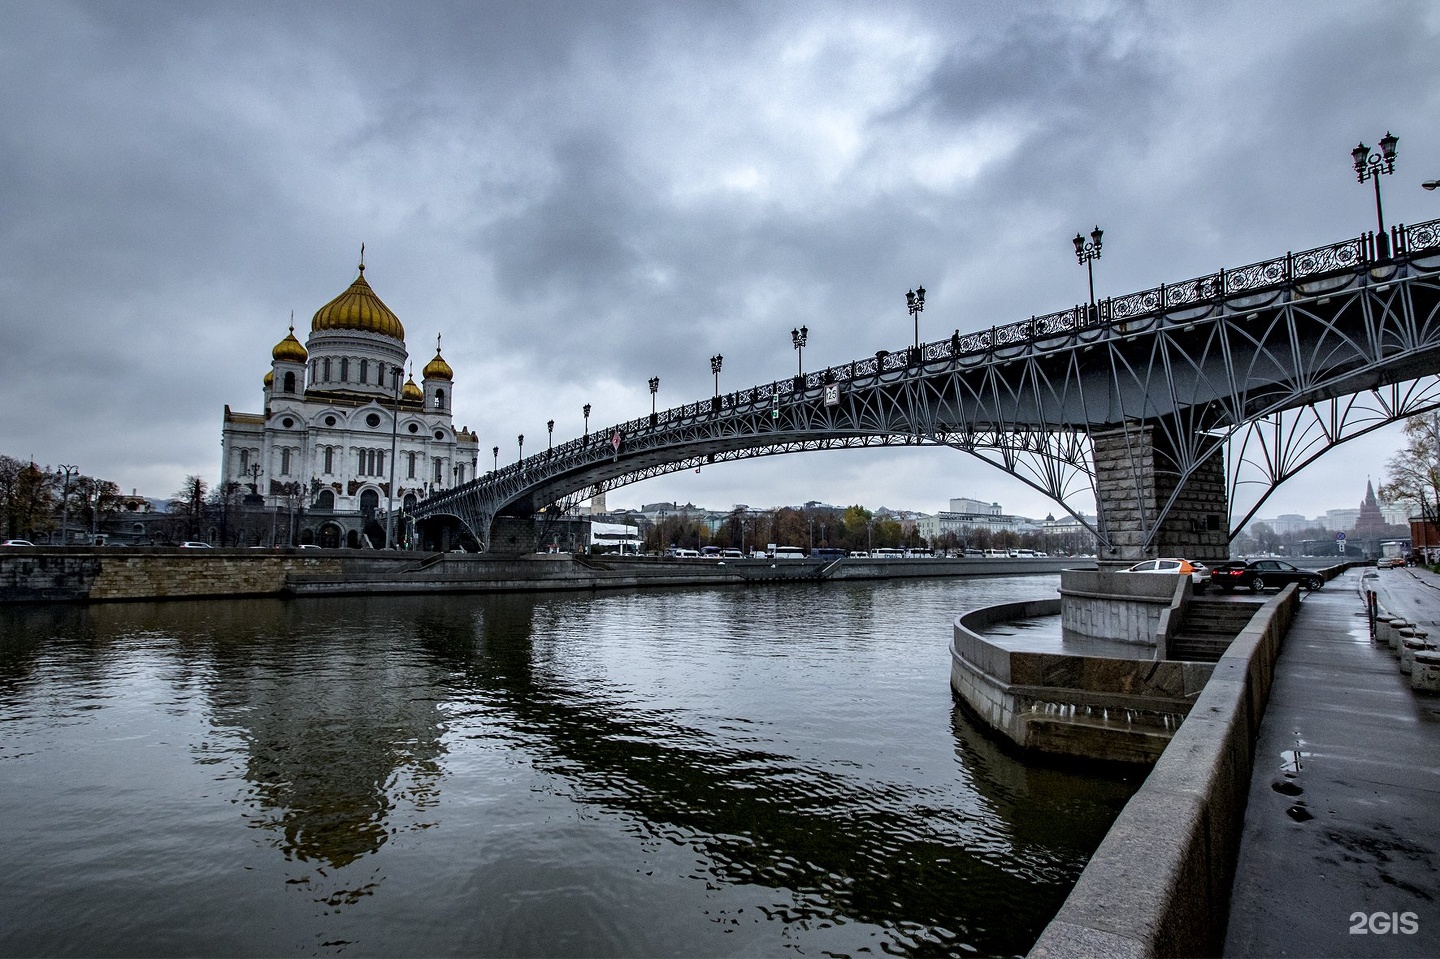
<point>1379,213</point>
<point>394,441</point>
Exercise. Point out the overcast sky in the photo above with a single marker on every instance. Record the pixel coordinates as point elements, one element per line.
<point>580,195</point>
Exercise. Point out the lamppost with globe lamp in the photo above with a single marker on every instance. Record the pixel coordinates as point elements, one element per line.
<point>1088,253</point>
<point>586,412</point>
<point>798,338</point>
<point>715,363</point>
<point>1371,166</point>
<point>521,440</point>
<point>654,388</point>
<point>550,440</point>
<point>915,300</point>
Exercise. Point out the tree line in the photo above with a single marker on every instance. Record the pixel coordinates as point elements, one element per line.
<point>854,528</point>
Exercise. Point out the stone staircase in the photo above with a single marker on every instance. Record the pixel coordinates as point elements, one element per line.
<point>1208,629</point>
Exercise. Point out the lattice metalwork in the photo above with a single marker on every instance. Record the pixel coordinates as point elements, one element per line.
<point>1203,362</point>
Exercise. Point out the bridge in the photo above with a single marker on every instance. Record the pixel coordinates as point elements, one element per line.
<point>1165,404</point>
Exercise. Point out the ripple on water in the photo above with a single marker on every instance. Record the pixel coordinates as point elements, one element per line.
<point>709,772</point>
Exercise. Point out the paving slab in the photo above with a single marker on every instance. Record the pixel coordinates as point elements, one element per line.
<point>1340,854</point>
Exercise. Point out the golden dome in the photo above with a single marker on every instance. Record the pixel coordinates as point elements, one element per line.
<point>358,308</point>
<point>410,391</point>
<point>438,369</point>
<point>289,350</point>
<point>269,378</point>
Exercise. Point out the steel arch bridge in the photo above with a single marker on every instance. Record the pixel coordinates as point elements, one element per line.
<point>1274,363</point>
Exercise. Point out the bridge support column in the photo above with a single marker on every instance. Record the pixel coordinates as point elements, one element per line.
<point>513,535</point>
<point>1136,472</point>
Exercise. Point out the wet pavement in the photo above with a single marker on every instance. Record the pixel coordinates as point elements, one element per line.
<point>1340,854</point>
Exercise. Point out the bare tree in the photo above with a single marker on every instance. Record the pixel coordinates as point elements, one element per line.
<point>1414,472</point>
<point>189,507</point>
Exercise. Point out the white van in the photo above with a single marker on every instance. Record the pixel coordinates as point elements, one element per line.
<point>997,554</point>
<point>788,552</point>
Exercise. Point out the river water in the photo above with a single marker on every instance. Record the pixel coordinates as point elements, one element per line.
<point>742,771</point>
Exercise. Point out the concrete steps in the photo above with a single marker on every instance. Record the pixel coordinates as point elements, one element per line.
<point>1209,628</point>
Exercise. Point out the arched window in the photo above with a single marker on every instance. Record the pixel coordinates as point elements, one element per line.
<point>244,460</point>
<point>284,462</point>
<point>369,503</point>
<point>289,382</point>
<point>439,471</point>
<point>326,499</point>
<point>364,370</point>
<point>410,457</point>
<point>439,399</point>
<point>326,376</point>
<point>344,369</point>
<point>329,459</point>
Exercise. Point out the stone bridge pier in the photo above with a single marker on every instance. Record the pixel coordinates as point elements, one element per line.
<point>1136,472</point>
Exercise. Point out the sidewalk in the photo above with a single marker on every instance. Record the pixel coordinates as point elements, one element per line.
<point>1343,819</point>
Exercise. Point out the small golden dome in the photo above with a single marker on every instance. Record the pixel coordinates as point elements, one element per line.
<point>438,369</point>
<point>410,391</point>
<point>358,308</point>
<point>289,350</point>
<point>269,378</point>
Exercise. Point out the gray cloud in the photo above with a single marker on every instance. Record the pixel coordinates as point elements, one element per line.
<point>579,196</point>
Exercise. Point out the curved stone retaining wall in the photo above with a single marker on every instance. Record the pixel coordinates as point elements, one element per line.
<point>1159,885</point>
<point>1094,707</point>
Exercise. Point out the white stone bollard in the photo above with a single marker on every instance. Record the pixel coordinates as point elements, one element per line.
<point>1425,676</point>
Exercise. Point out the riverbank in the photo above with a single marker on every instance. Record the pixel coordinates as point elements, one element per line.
<point>57,574</point>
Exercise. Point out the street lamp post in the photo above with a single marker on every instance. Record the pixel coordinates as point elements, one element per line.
<point>1088,253</point>
<point>69,471</point>
<point>495,464</point>
<point>915,300</point>
<point>586,411</point>
<point>255,478</point>
<point>1371,166</point>
<point>654,388</point>
<point>550,440</point>
<point>521,440</point>
<point>798,339</point>
<point>715,362</point>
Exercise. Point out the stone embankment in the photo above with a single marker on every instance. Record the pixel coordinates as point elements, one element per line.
<point>56,574</point>
<point>1159,885</point>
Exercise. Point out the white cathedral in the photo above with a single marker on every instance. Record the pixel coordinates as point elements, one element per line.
<point>334,432</point>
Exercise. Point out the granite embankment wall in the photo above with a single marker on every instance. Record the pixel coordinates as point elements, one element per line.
<point>57,574</point>
<point>1115,605</point>
<point>1064,704</point>
<point>1159,885</point>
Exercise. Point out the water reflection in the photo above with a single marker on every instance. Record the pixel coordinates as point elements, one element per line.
<point>798,745</point>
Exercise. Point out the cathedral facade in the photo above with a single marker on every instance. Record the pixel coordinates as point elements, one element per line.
<point>347,442</point>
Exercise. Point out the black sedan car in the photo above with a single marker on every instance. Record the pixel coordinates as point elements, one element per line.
<point>1263,574</point>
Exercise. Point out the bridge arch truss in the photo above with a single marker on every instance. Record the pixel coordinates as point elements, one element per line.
<point>1268,366</point>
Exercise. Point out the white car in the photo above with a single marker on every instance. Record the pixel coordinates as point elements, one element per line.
<point>1199,573</point>
<point>17,542</point>
<point>190,544</point>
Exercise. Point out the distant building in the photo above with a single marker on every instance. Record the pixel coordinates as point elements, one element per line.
<point>974,507</point>
<point>332,431</point>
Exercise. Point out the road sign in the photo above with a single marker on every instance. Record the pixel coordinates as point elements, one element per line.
<point>1339,537</point>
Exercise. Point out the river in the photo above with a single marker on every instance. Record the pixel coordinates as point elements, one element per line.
<point>741,771</point>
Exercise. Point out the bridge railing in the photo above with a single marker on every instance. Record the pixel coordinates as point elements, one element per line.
<point>1359,253</point>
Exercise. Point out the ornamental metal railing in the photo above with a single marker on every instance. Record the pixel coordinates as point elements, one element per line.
<point>1113,318</point>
